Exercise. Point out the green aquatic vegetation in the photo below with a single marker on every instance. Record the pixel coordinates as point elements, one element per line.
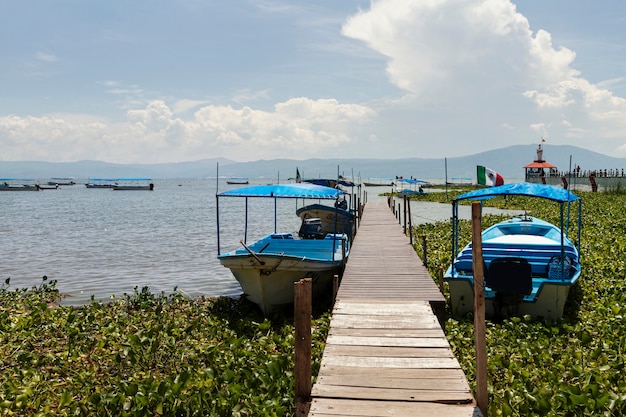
<point>146,354</point>
<point>571,367</point>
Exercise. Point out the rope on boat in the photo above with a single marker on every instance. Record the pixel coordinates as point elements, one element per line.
<point>252,253</point>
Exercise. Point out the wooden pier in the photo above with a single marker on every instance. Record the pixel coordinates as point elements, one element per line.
<point>386,353</point>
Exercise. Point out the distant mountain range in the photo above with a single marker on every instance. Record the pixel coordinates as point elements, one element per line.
<point>507,161</point>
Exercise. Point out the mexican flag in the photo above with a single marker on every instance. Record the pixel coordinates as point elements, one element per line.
<point>488,177</point>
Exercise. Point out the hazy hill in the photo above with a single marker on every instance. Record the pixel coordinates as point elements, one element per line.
<point>507,161</point>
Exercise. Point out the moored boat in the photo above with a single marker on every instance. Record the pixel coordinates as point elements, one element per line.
<point>410,186</point>
<point>334,219</point>
<point>61,181</point>
<point>100,182</point>
<point>267,268</point>
<point>18,184</point>
<point>530,265</point>
<point>238,180</point>
<point>133,184</point>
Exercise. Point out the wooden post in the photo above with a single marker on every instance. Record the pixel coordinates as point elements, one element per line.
<point>410,225</point>
<point>479,309</point>
<point>302,319</point>
<point>404,213</point>
<point>398,214</point>
<point>441,279</point>
<point>424,251</point>
<point>335,288</point>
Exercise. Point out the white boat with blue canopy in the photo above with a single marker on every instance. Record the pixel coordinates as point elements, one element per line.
<point>410,186</point>
<point>530,265</point>
<point>101,182</point>
<point>267,268</point>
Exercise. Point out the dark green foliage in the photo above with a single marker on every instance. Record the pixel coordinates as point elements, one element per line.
<point>573,367</point>
<point>145,355</point>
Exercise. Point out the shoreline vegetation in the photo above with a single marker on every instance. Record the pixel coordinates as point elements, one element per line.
<point>146,354</point>
<point>170,355</point>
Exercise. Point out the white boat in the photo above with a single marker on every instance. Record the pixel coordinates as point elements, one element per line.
<point>268,268</point>
<point>378,182</point>
<point>61,181</point>
<point>410,186</point>
<point>100,182</point>
<point>18,184</point>
<point>238,180</point>
<point>530,265</point>
<point>133,184</point>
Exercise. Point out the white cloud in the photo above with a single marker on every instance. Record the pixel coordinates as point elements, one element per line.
<point>303,127</point>
<point>479,58</point>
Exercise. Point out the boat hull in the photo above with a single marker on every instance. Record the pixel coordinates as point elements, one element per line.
<point>273,285</point>
<point>268,268</point>
<point>548,303</point>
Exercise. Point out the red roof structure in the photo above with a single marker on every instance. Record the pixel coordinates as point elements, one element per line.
<point>539,164</point>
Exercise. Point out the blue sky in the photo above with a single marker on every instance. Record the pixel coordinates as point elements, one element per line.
<point>167,81</point>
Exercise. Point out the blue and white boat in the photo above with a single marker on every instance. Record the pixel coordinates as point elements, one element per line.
<point>268,268</point>
<point>410,186</point>
<point>100,182</point>
<point>530,265</point>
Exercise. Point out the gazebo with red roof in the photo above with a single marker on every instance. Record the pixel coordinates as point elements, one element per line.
<point>538,166</point>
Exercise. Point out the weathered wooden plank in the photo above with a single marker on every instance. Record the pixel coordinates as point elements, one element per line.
<point>334,407</point>
<point>432,342</point>
<point>336,391</point>
<point>340,331</point>
<point>423,373</point>
<point>388,351</point>
<point>378,322</point>
<point>370,362</point>
<point>426,384</point>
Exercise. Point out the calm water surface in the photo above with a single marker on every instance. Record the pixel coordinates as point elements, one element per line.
<point>100,242</point>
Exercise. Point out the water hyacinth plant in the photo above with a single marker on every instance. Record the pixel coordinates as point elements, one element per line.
<point>571,367</point>
<point>145,354</point>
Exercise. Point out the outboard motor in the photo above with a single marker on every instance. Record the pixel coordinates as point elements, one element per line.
<point>311,229</point>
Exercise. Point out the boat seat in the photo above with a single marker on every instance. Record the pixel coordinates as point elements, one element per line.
<point>510,275</point>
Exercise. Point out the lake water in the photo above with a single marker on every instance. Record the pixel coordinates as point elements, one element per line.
<point>100,242</point>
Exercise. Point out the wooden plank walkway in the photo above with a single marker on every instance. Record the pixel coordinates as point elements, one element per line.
<point>386,353</point>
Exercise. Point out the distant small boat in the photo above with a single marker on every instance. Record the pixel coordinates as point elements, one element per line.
<point>61,181</point>
<point>378,182</point>
<point>100,182</point>
<point>18,184</point>
<point>413,187</point>
<point>237,180</point>
<point>133,184</point>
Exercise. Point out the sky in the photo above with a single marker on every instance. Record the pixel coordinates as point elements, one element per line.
<point>151,81</point>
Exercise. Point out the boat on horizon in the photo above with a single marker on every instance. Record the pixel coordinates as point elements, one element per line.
<point>267,268</point>
<point>61,181</point>
<point>410,186</point>
<point>133,184</point>
<point>237,181</point>
<point>18,184</point>
<point>530,265</point>
<point>100,182</point>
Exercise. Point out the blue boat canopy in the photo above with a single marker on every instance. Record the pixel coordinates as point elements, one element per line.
<point>548,192</point>
<point>298,190</point>
<point>134,179</point>
<point>412,181</point>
